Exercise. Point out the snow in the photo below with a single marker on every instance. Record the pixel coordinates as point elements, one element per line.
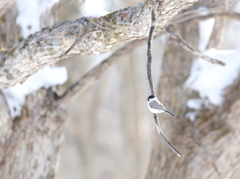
<point>195,103</point>
<point>205,33</point>
<point>29,16</point>
<point>95,10</point>
<point>191,115</point>
<point>100,13</point>
<point>30,12</point>
<point>208,79</point>
<point>46,77</point>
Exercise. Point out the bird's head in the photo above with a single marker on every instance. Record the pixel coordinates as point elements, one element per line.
<point>150,97</point>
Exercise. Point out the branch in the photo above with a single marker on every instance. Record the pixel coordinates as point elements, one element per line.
<point>205,16</point>
<point>190,49</point>
<point>195,19</point>
<point>4,5</point>
<point>164,137</point>
<point>97,72</point>
<point>94,74</point>
<point>149,51</point>
<point>79,39</point>
<point>149,73</point>
<point>46,46</point>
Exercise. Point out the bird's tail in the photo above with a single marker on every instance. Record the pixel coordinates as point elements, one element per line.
<point>170,113</point>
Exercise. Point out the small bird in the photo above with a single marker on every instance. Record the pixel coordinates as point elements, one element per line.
<point>156,107</point>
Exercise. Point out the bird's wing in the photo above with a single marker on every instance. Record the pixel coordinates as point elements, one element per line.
<point>156,105</point>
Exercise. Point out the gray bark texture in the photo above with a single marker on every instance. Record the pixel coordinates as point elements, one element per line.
<point>30,144</point>
<point>210,145</point>
<point>45,47</point>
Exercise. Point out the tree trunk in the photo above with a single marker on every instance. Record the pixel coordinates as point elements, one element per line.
<point>32,140</point>
<point>210,143</point>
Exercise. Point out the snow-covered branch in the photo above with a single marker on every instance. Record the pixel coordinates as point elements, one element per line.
<point>46,46</point>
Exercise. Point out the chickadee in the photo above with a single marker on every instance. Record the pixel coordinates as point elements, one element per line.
<point>156,107</point>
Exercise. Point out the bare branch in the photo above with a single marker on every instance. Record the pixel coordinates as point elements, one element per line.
<point>164,137</point>
<point>200,17</point>
<point>94,74</point>
<point>45,47</point>
<point>149,73</point>
<point>149,51</point>
<point>190,49</point>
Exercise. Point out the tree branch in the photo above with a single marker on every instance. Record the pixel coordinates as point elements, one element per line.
<point>190,49</point>
<point>205,16</point>
<point>94,74</point>
<point>45,47</point>
<point>149,50</point>
<point>195,19</point>
<point>79,39</point>
<point>97,72</point>
<point>164,137</point>
<point>149,73</point>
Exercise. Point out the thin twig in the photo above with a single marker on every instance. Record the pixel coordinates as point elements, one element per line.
<point>229,15</point>
<point>149,51</point>
<point>79,39</point>
<point>149,73</point>
<point>190,49</point>
<point>164,137</point>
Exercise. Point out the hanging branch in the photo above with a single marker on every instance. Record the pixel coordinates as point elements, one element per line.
<point>164,137</point>
<point>149,51</point>
<point>149,73</point>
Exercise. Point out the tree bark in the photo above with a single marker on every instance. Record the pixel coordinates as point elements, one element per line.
<point>32,140</point>
<point>45,47</point>
<point>210,144</point>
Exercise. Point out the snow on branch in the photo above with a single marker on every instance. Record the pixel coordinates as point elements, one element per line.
<point>46,46</point>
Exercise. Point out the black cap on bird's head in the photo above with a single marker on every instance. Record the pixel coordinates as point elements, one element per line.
<point>150,97</point>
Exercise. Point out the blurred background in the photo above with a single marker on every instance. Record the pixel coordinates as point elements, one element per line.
<point>109,131</point>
